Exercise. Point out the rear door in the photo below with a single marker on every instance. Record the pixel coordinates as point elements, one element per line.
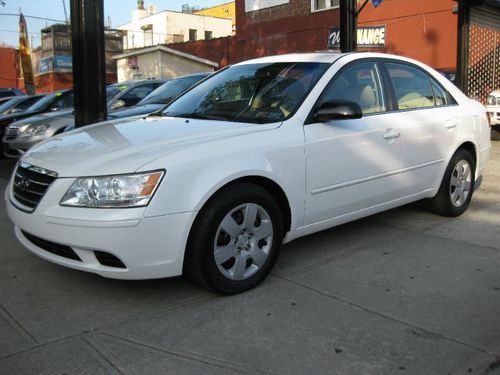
<point>428,119</point>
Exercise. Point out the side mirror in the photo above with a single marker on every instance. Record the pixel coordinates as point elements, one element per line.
<point>118,104</point>
<point>338,110</point>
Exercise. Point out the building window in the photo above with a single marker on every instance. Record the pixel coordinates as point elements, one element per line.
<point>317,5</point>
<point>208,35</point>
<point>148,34</point>
<point>253,5</point>
<point>193,35</point>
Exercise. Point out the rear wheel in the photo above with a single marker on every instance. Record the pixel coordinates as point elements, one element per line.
<point>495,133</point>
<point>456,189</point>
<point>235,239</point>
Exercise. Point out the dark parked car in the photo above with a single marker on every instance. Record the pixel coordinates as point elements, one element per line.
<point>18,104</point>
<point>160,97</point>
<point>5,92</point>
<point>129,93</point>
<point>52,102</point>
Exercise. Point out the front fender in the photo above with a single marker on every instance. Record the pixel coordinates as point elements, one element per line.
<point>196,174</point>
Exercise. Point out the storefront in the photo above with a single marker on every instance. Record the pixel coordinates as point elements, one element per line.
<point>481,57</point>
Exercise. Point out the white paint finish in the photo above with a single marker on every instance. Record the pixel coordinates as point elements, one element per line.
<point>353,153</point>
<point>253,5</point>
<point>426,141</point>
<point>349,165</point>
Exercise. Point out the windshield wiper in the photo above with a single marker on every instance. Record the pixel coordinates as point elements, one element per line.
<point>158,113</point>
<point>197,115</point>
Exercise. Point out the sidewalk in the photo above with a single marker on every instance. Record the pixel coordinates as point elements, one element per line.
<point>403,292</point>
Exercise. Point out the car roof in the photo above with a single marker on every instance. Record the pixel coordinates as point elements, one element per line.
<point>137,82</point>
<point>198,74</point>
<point>321,57</point>
<point>325,57</point>
<point>495,93</point>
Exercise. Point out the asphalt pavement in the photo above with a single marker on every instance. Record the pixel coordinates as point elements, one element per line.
<point>402,292</point>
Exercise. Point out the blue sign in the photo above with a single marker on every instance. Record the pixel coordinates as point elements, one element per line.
<point>376,3</point>
<point>45,65</point>
<point>63,63</point>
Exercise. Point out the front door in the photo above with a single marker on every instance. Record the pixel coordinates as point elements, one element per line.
<point>352,165</point>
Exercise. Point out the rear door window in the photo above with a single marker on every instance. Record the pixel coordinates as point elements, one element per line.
<point>441,96</point>
<point>411,86</point>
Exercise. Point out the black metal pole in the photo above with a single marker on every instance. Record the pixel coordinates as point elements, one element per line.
<point>462,44</point>
<point>89,66</point>
<point>348,37</point>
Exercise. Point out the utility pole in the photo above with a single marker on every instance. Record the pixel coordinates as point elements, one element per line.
<point>348,25</point>
<point>462,44</point>
<point>89,67</point>
<point>65,12</point>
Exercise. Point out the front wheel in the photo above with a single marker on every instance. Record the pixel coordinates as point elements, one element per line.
<point>457,186</point>
<point>235,239</point>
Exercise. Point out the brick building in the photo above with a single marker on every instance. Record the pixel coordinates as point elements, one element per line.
<point>9,68</point>
<point>422,29</point>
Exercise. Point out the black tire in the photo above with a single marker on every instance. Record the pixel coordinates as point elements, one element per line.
<point>442,204</point>
<point>200,264</point>
<point>495,133</point>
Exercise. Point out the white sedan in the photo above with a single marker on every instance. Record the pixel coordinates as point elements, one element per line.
<point>259,154</point>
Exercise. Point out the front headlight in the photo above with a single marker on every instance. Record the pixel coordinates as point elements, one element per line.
<point>32,130</point>
<point>118,191</point>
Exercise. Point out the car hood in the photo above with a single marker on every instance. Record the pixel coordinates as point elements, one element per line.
<point>7,119</point>
<point>46,117</point>
<point>123,146</point>
<point>26,116</point>
<point>136,111</point>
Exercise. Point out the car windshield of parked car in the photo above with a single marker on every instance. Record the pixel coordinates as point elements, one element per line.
<point>492,100</point>
<point>255,93</point>
<point>43,103</point>
<point>8,104</point>
<point>169,90</point>
<point>55,101</point>
<point>113,90</point>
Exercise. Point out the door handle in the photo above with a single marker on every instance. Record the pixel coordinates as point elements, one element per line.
<point>450,124</point>
<point>390,134</point>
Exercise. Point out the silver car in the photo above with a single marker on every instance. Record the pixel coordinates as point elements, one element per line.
<point>21,135</point>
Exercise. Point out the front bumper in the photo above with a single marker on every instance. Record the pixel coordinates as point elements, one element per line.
<point>148,247</point>
<point>494,117</point>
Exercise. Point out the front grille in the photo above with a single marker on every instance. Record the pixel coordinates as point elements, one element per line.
<point>107,259</point>
<point>31,183</point>
<point>11,132</point>
<point>52,247</point>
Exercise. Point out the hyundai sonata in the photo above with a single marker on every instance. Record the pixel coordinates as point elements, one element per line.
<point>257,155</point>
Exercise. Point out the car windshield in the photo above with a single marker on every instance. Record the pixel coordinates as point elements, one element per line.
<point>113,90</point>
<point>492,100</point>
<point>9,104</point>
<point>43,103</point>
<point>169,90</point>
<point>255,93</point>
